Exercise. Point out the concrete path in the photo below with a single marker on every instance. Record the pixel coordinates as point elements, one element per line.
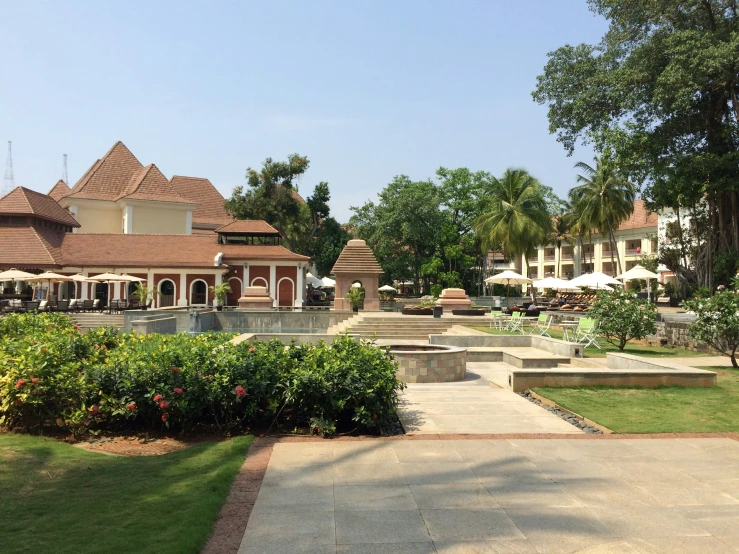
<point>473,406</point>
<point>702,361</point>
<point>485,496</point>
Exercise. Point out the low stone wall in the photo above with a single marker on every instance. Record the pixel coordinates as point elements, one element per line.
<point>311,338</point>
<point>159,323</point>
<point>431,366</point>
<point>555,346</point>
<point>677,335</point>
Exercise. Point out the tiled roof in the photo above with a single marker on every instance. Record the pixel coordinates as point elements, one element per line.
<point>357,257</point>
<point>29,247</point>
<point>120,250</point>
<point>59,190</point>
<point>249,226</point>
<point>640,218</point>
<point>150,184</point>
<point>23,201</point>
<point>210,202</point>
<point>108,177</point>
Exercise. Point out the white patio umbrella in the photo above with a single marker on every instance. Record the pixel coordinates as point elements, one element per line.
<point>79,278</point>
<point>595,280</point>
<point>508,278</point>
<point>313,281</point>
<point>109,278</point>
<point>554,283</point>
<point>639,272</point>
<point>13,275</point>
<point>48,276</point>
<point>328,282</point>
<point>387,288</point>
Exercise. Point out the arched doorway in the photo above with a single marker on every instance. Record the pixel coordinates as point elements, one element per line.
<point>232,299</point>
<point>167,293</point>
<point>259,282</point>
<point>285,292</point>
<point>198,293</point>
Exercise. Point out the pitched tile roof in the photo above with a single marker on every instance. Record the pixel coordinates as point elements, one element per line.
<point>29,247</point>
<point>640,218</point>
<point>23,201</point>
<point>357,257</point>
<point>249,226</point>
<point>150,184</point>
<point>59,190</point>
<point>108,177</point>
<point>210,208</point>
<point>120,250</point>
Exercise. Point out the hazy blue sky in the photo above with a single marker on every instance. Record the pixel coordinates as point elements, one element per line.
<point>367,90</point>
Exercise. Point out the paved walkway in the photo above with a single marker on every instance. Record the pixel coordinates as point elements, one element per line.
<point>484,496</point>
<point>473,406</point>
<point>702,361</point>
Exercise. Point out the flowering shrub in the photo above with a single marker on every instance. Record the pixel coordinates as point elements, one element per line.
<point>621,317</point>
<point>51,374</point>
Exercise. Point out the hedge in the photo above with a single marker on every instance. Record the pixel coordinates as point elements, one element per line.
<point>53,375</point>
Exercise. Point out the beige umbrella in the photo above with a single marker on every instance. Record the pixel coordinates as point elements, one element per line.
<point>555,284</point>
<point>111,278</point>
<point>639,272</point>
<point>508,278</point>
<point>14,275</point>
<point>49,276</point>
<point>595,280</point>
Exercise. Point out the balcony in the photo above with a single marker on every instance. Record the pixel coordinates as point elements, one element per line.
<point>634,251</point>
<point>567,256</point>
<point>549,257</point>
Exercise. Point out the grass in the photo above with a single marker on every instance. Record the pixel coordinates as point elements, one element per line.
<point>58,498</point>
<point>631,348</point>
<point>660,410</point>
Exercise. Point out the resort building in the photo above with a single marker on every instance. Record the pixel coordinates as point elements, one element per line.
<point>124,217</point>
<point>634,238</point>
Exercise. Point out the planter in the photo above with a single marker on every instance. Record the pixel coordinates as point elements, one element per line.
<point>219,308</point>
<point>417,311</point>
<point>471,311</point>
<point>438,310</point>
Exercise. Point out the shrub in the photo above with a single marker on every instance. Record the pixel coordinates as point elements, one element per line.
<point>621,317</point>
<point>717,320</point>
<point>51,374</point>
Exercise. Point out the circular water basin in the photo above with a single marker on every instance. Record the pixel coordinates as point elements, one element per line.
<point>429,363</point>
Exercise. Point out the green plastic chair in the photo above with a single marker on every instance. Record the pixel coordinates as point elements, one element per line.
<point>587,333</point>
<point>541,327</point>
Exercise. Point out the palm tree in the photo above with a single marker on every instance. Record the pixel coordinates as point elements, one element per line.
<point>513,215</point>
<point>561,233</point>
<point>604,199</point>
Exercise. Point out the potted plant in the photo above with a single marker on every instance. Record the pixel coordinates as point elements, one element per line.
<point>219,293</point>
<point>355,296</point>
<point>144,294</point>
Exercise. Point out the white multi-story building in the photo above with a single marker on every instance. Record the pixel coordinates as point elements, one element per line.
<point>634,238</point>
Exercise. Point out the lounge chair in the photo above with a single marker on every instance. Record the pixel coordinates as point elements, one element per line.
<point>62,306</point>
<point>31,306</point>
<point>97,306</point>
<point>86,306</point>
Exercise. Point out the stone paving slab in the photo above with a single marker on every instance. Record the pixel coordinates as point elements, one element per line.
<point>488,496</point>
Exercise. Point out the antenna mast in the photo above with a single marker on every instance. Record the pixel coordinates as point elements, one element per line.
<point>65,178</point>
<point>8,179</point>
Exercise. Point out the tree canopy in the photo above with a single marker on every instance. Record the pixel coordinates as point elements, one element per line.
<point>660,91</point>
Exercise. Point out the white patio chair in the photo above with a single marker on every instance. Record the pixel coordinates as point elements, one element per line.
<point>587,332</point>
<point>541,327</point>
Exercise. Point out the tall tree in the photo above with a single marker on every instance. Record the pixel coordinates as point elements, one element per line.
<point>662,90</point>
<point>561,234</point>
<point>604,198</point>
<point>513,215</point>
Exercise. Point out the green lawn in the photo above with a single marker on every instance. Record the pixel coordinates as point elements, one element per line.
<point>593,352</point>
<point>58,498</point>
<point>662,410</point>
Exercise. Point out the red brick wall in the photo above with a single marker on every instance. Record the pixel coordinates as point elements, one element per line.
<point>258,271</point>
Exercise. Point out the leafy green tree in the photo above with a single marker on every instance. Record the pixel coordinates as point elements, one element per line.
<point>513,215</point>
<point>621,317</point>
<point>717,320</point>
<point>661,90</point>
<point>604,199</point>
<point>329,241</point>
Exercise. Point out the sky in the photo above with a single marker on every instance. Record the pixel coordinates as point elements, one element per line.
<point>365,89</point>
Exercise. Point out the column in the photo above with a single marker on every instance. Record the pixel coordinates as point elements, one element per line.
<point>150,281</point>
<point>273,284</point>
<point>188,223</point>
<point>129,220</point>
<point>576,260</point>
<point>300,293</point>
<point>246,277</point>
<point>597,255</point>
<point>557,262</point>
<point>182,300</point>
<point>84,286</point>
<point>540,263</point>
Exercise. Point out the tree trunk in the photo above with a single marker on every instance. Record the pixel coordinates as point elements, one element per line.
<point>612,244</point>
<point>621,343</point>
<point>733,358</point>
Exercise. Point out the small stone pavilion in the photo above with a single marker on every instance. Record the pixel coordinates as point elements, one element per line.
<point>357,264</point>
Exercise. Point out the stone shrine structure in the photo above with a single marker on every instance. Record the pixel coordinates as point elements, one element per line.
<point>454,299</point>
<point>357,263</point>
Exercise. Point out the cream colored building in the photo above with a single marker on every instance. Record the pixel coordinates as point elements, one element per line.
<point>635,237</point>
<point>119,195</point>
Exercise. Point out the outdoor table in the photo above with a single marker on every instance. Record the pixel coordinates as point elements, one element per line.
<point>528,320</point>
<point>569,328</point>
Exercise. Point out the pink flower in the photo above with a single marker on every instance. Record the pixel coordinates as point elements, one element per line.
<point>178,390</point>
<point>164,417</point>
<point>240,391</point>
<point>131,407</point>
<point>158,397</point>
<point>175,369</point>
<point>163,404</point>
<point>34,380</point>
<point>252,350</point>
<point>19,384</point>
<point>94,410</point>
